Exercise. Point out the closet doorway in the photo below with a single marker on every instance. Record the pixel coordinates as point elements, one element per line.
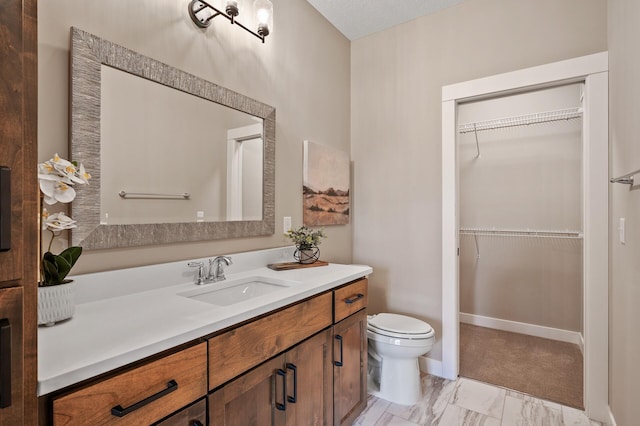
<point>588,234</point>
<point>520,263</point>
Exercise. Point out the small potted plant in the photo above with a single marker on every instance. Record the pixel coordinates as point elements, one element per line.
<point>306,241</point>
<point>56,294</point>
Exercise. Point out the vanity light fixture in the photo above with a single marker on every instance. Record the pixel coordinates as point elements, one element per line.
<point>202,13</point>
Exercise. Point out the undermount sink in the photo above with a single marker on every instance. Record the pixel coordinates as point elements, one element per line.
<point>230,292</point>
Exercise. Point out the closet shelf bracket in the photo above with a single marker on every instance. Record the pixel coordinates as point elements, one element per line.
<point>475,131</point>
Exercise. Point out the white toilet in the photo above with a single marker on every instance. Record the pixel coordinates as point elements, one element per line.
<point>395,343</point>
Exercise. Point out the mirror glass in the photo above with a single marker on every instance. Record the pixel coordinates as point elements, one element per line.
<point>174,157</point>
<point>159,166</point>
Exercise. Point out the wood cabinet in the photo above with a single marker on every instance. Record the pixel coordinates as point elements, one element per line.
<point>236,351</point>
<point>11,356</point>
<point>18,212</point>
<point>294,388</point>
<point>304,364</point>
<point>193,415</point>
<point>139,396</point>
<point>350,352</point>
<point>350,368</point>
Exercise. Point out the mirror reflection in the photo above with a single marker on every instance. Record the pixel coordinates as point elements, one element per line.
<point>171,157</point>
<point>193,161</point>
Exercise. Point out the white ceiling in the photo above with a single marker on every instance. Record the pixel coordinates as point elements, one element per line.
<point>358,18</point>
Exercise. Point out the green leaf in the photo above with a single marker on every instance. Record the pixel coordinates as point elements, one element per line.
<point>71,255</point>
<point>55,268</point>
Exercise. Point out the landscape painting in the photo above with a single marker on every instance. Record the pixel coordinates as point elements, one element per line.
<point>325,185</point>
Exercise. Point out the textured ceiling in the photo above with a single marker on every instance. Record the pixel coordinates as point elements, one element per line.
<point>358,18</point>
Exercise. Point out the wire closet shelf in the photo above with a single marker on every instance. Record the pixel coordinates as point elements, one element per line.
<point>568,234</point>
<point>522,120</point>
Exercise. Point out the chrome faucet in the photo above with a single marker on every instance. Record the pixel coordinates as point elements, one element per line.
<point>215,272</point>
<point>200,277</point>
<point>216,267</point>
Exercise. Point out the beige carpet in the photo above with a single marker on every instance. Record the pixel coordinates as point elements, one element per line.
<point>543,368</point>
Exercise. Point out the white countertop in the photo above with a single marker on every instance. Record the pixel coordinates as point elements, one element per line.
<point>108,333</point>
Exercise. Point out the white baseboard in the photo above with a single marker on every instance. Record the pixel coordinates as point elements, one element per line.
<point>611,421</point>
<point>524,328</point>
<point>430,366</point>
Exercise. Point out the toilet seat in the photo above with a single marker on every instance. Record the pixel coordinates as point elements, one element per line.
<point>399,326</point>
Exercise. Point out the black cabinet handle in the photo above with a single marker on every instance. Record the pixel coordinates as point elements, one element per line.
<point>339,363</point>
<point>293,399</point>
<point>282,407</point>
<point>5,363</point>
<point>353,299</point>
<point>118,411</point>
<point>196,423</point>
<point>5,208</point>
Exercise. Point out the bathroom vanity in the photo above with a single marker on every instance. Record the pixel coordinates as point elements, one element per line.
<point>296,355</point>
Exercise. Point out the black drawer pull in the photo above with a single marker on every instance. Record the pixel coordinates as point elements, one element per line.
<point>118,411</point>
<point>5,363</point>
<point>293,399</point>
<point>196,423</point>
<point>339,363</point>
<point>282,406</point>
<point>5,208</point>
<point>353,299</point>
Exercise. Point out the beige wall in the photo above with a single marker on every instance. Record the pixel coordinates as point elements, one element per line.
<point>526,178</point>
<point>624,109</point>
<point>303,70</point>
<point>396,82</point>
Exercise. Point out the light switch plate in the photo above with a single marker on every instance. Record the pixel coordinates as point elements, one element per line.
<point>286,223</point>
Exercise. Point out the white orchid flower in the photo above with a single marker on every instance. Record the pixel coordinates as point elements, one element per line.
<point>57,221</point>
<point>56,191</point>
<point>56,176</point>
<point>82,174</point>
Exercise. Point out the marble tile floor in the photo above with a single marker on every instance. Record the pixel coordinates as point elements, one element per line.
<point>467,402</point>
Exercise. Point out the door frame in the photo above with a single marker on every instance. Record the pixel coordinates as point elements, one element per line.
<point>592,70</point>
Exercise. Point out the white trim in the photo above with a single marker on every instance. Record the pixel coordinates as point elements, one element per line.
<point>450,259</point>
<point>235,137</point>
<point>611,421</point>
<point>593,71</point>
<point>596,245</point>
<point>430,366</point>
<point>524,328</point>
<point>575,69</point>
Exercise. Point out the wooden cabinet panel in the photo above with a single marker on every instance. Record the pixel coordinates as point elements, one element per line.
<point>350,299</point>
<point>299,381</point>
<point>236,351</point>
<point>180,378</point>
<point>194,415</point>
<point>251,398</point>
<point>310,382</point>
<point>11,387</point>
<point>350,368</point>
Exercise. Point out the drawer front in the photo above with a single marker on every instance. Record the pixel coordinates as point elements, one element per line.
<point>238,350</point>
<point>139,396</point>
<point>350,299</point>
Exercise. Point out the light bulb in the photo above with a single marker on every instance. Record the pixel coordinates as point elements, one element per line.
<point>264,15</point>
<point>232,8</point>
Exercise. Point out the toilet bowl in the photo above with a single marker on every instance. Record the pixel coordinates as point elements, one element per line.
<point>395,343</point>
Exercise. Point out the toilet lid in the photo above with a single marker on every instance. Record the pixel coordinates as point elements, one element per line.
<point>399,324</point>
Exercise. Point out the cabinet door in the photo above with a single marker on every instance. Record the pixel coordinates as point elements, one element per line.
<point>11,391</point>
<point>350,368</point>
<point>309,382</point>
<point>193,415</point>
<point>252,398</point>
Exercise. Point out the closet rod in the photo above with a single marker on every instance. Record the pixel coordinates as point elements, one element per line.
<point>522,233</point>
<point>626,179</point>
<point>522,120</point>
